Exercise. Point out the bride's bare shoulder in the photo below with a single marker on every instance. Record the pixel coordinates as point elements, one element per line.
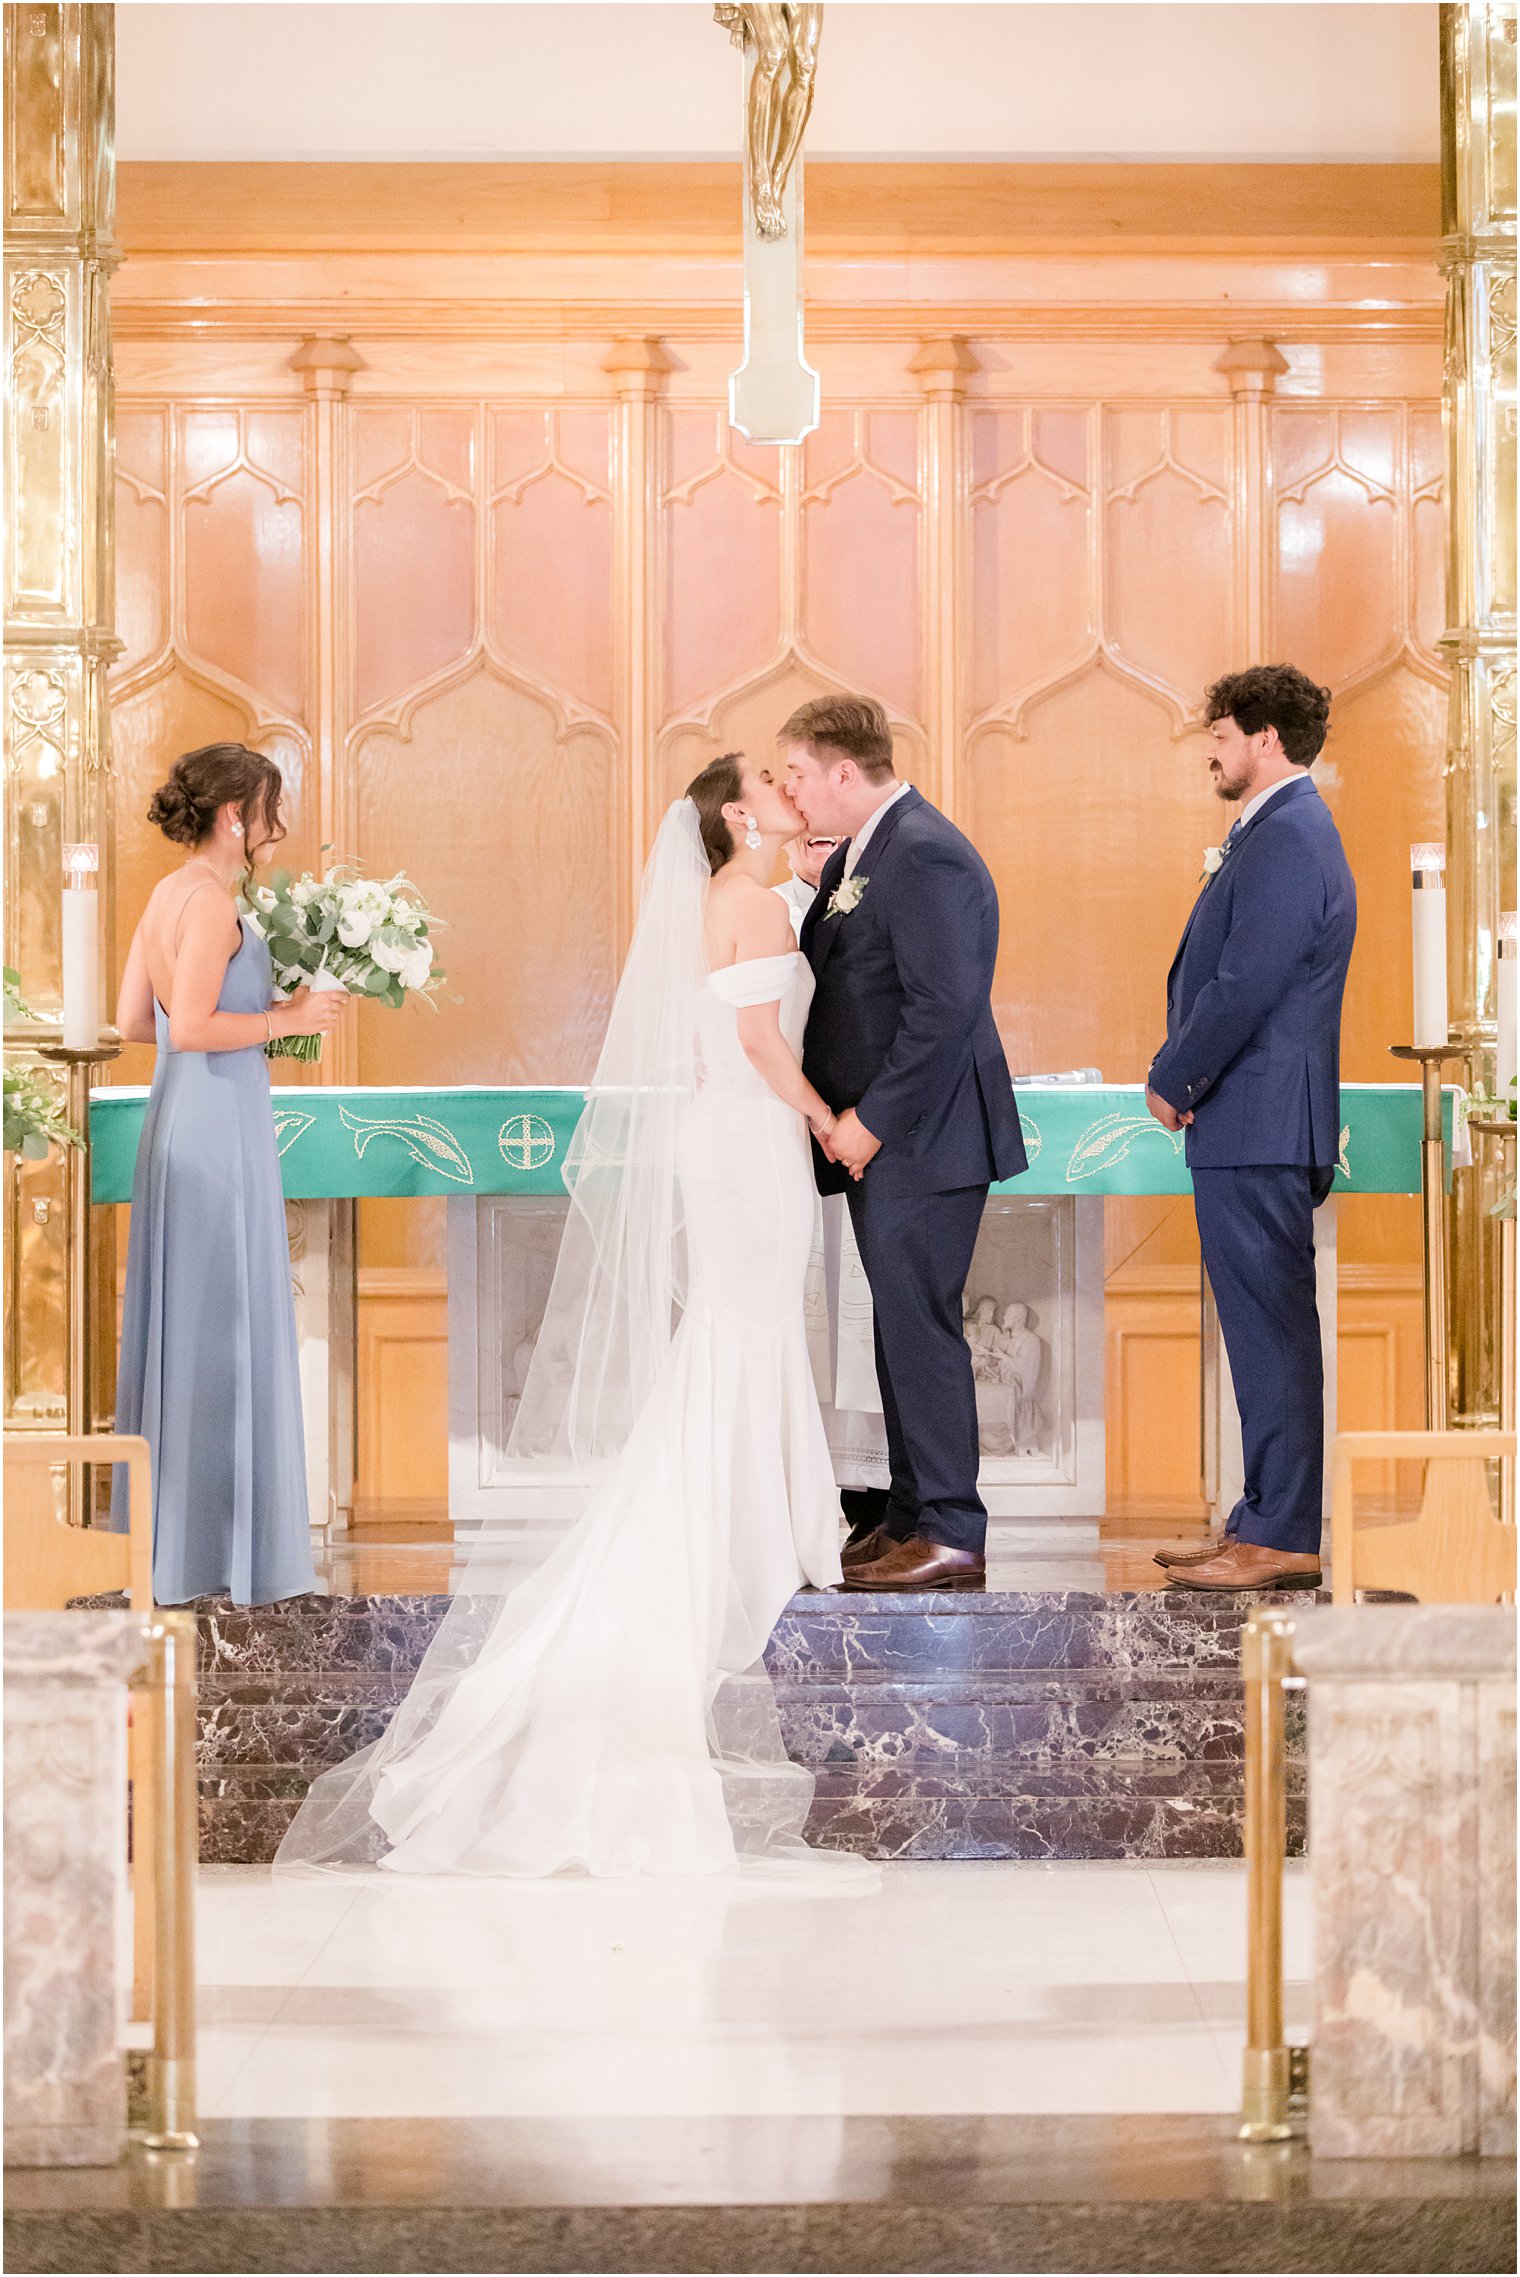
<point>763,922</point>
<point>745,919</point>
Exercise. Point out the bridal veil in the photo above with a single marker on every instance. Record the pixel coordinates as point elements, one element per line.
<point>570,1670</point>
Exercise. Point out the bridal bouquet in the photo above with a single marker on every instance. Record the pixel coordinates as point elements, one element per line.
<point>343,930</point>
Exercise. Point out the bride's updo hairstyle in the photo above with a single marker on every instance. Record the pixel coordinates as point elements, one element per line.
<point>720,784</point>
<point>185,807</point>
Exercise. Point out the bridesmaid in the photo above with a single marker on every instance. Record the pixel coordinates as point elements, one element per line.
<point>208,1372</point>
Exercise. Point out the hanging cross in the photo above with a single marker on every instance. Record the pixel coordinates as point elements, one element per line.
<point>773,396</point>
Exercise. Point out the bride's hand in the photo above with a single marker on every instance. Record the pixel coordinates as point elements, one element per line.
<point>823,1127</point>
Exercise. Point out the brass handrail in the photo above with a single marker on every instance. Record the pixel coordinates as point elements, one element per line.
<point>1266,1655</point>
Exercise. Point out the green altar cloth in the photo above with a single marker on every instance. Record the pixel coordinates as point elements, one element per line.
<point>1082,1139</point>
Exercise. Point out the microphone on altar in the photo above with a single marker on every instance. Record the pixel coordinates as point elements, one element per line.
<point>1068,1076</point>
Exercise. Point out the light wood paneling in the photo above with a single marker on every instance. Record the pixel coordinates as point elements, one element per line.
<point>403,1389</point>
<point>495,595</point>
<point>1154,1444</point>
<point>871,208</point>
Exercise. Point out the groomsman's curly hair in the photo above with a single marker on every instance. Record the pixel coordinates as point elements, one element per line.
<point>1274,695</point>
<point>720,784</point>
<point>845,727</point>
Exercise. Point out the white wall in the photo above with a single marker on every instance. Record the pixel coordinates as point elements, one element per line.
<point>435,79</point>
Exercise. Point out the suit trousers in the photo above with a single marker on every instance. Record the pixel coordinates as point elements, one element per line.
<point>1256,1230</point>
<point>916,1250</point>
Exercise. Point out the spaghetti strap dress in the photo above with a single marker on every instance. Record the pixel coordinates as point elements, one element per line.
<point>208,1372</point>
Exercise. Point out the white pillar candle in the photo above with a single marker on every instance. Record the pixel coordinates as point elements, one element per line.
<point>1430,1021</point>
<point>81,948</point>
<point>1504,1064</point>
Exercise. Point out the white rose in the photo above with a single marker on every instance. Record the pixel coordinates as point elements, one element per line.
<point>387,958</point>
<point>360,910</point>
<point>1213,860</point>
<point>416,969</point>
<point>305,893</point>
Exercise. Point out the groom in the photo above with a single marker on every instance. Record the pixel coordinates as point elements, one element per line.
<point>902,939</point>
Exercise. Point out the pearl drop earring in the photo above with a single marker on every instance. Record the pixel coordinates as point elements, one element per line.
<point>237,830</point>
<point>751,834</point>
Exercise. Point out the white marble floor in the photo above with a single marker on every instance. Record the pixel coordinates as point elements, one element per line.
<point>948,1990</point>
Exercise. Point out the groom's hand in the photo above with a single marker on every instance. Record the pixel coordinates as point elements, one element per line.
<point>852,1144</point>
<point>1164,1112</point>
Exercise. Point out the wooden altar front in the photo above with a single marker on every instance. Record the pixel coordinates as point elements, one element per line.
<point>497,1156</point>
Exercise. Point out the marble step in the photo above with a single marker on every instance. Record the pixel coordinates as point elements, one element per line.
<point>1129,1721</point>
<point>1061,1725</point>
<point>1103,1812</point>
<point>938,1635</point>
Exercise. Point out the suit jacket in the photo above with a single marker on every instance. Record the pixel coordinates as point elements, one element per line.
<point>1253,999</point>
<point>901,1024</point>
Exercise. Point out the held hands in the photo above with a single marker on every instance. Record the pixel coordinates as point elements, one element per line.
<point>850,1143</point>
<point>309,1012</point>
<point>1164,1112</point>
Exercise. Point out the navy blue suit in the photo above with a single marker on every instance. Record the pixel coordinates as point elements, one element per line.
<point>901,1029</point>
<point>1253,1018</point>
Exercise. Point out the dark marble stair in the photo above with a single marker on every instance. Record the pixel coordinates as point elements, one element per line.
<point>1047,1725</point>
<point>1035,1726</point>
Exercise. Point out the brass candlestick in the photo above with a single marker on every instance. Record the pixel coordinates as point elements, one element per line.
<point>79,1065</point>
<point>1500,1131</point>
<point>1431,1058</point>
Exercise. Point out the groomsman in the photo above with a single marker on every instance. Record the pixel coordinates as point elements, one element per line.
<point>1251,1069</point>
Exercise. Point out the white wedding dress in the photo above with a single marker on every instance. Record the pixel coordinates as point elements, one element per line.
<point>605,1709</point>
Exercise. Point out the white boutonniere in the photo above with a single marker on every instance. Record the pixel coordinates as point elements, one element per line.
<point>1213,863</point>
<point>846,896</point>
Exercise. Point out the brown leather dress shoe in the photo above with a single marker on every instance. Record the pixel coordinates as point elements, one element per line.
<point>1211,1549</point>
<point>1247,1565</point>
<point>919,1564</point>
<point>867,1547</point>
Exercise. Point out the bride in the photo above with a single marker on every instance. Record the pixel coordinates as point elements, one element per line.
<point>595,1698</point>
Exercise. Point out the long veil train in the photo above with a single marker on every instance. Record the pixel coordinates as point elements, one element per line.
<point>598,1670</point>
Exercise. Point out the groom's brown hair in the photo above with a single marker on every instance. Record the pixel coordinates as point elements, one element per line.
<point>852,727</point>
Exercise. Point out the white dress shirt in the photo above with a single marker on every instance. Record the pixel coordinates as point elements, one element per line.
<point>799,897</point>
<point>1254,806</point>
<point>862,837</point>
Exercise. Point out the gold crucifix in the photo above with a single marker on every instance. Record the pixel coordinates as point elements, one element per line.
<point>784,36</point>
<point>773,397</point>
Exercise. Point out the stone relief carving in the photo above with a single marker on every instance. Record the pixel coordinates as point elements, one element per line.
<point>1007,1361</point>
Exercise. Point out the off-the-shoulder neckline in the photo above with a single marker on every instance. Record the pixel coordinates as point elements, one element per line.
<point>740,964</point>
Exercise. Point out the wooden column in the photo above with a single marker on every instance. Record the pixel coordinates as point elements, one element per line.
<point>943,368</point>
<point>326,368</point>
<point>1253,368</point>
<point>638,369</point>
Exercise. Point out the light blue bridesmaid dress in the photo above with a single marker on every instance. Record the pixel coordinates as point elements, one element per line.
<point>208,1372</point>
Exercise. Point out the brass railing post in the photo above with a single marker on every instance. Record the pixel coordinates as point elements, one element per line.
<point>1499,1133</point>
<point>1433,1220</point>
<point>175,1839</point>
<point>1266,1659</point>
<point>81,1391</point>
